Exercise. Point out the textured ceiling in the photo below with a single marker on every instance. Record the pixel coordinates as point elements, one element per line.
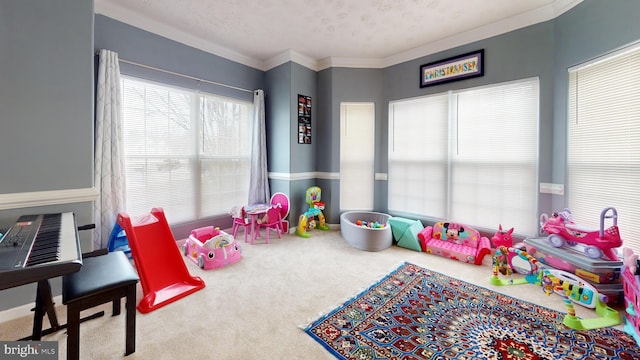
<point>259,30</point>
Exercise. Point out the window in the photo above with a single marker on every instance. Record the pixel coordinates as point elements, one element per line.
<point>186,152</point>
<point>469,155</point>
<point>603,153</point>
<point>357,172</point>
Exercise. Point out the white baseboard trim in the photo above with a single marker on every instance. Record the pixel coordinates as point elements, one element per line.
<point>23,310</point>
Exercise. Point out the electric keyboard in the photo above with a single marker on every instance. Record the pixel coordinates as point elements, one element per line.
<point>39,247</point>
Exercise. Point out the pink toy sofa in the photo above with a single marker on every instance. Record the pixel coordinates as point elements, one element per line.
<point>454,241</point>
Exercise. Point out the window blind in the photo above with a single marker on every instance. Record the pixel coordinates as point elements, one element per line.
<point>185,151</point>
<point>603,153</point>
<point>418,156</point>
<point>469,156</point>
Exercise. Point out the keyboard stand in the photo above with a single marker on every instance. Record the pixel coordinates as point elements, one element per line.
<point>44,304</point>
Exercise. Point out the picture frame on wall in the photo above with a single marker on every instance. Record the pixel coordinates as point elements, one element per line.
<point>304,119</point>
<point>461,67</point>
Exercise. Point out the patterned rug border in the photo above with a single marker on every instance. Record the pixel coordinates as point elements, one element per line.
<point>332,309</point>
<point>324,316</point>
<point>348,301</point>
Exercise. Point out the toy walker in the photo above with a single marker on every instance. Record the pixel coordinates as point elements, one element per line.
<point>312,218</point>
<point>570,287</point>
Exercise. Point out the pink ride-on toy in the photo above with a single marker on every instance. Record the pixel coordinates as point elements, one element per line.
<point>562,230</point>
<point>211,248</point>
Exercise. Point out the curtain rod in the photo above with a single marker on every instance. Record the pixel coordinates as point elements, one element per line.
<point>181,75</point>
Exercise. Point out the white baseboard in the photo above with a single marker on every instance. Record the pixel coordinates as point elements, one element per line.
<point>23,310</point>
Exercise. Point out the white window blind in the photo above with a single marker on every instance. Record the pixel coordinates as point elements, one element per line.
<point>357,151</point>
<point>468,156</point>
<point>494,157</point>
<point>604,142</point>
<point>184,151</point>
<point>418,156</point>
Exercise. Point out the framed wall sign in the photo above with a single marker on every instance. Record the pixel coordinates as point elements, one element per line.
<point>304,119</point>
<point>455,68</point>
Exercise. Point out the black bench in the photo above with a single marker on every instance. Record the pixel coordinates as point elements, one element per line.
<point>101,279</point>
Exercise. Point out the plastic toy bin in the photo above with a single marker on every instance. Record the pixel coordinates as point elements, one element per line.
<point>365,238</point>
<point>596,271</point>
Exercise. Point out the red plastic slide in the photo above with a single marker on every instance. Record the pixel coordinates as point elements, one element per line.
<point>163,274</point>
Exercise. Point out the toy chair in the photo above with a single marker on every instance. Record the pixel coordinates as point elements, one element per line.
<point>273,222</point>
<point>307,220</point>
<point>282,200</point>
<point>240,219</point>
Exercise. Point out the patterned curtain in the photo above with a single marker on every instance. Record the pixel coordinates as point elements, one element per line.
<point>109,176</point>
<point>259,181</point>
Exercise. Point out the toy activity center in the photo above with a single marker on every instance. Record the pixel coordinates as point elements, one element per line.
<point>480,167</point>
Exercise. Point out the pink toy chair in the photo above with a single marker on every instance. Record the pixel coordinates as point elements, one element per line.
<point>273,222</point>
<point>241,220</point>
<point>282,200</point>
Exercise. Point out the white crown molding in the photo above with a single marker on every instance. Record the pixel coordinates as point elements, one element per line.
<point>290,55</point>
<point>536,16</point>
<point>119,13</point>
<point>542,14</point>
<point>562,6</point>
<point>44,198</point>
<point>361,63</point>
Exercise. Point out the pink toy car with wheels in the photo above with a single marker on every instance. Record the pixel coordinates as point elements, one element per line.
<point>211,248</point>
<point>562,230</point>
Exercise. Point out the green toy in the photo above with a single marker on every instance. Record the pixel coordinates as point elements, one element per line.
<point>312,218</point>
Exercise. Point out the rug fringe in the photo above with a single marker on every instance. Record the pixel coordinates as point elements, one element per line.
<point>329,310</point>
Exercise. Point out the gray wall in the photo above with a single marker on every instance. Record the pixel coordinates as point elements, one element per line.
<point>46,110</point>
<point>350,85</point>
<point>592,29</point>
<point>286,156</point>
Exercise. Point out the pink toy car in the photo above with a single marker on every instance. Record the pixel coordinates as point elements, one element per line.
<point>211,248</point>
<point>562,230</point>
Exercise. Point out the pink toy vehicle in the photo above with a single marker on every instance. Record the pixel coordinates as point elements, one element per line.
<point>562,230</point>
<point>211,248</point>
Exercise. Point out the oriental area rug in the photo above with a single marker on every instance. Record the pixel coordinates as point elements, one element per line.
<point>415,313</point>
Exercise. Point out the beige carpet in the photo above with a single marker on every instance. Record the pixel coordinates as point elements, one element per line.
<point>254,309</point>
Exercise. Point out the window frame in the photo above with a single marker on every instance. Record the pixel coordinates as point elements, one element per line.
<point>444,167</point>
<point>193,193</point>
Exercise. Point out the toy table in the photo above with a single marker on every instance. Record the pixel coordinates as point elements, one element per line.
<point>255,212</point>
